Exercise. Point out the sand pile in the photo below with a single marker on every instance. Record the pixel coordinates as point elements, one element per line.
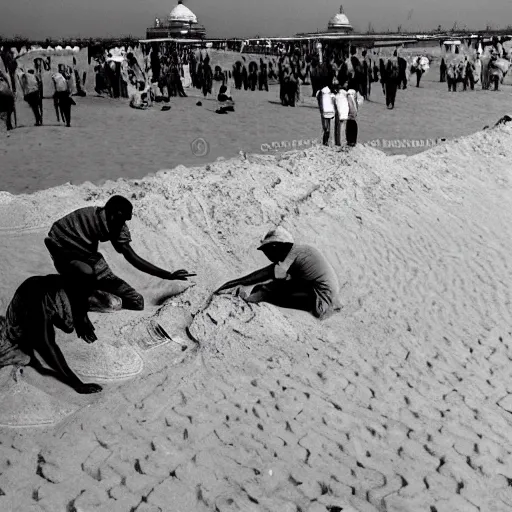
<point>399,402</point>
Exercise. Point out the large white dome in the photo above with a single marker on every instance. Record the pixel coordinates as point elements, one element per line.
<point>339,20</point>
<point>182,13</point>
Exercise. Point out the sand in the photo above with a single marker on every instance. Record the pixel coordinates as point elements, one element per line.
<point>109,140</point>
<point>400,402</point>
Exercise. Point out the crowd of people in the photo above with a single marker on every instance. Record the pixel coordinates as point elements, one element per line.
<point>298,277</point>
<point>167,69</point>
<point>471,70</point>
<point>31,86</point>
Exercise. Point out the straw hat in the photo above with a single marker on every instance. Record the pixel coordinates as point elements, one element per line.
<point>277,235</point>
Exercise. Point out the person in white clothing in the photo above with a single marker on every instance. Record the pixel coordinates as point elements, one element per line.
<point>32,94</point>
<point>62,100</point>
<point>326,106</point>
<point>341,107</point>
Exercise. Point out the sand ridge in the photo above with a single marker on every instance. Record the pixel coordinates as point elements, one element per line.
<point>400,402</point>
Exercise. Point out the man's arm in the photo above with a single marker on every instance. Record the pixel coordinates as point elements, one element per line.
<point>256,277</point>
<point>144,266</point>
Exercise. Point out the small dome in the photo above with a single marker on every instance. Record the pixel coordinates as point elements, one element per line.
<point>182,13</point>
<point>339,21</point>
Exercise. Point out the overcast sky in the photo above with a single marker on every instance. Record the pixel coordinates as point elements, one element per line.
<point>39,19</point>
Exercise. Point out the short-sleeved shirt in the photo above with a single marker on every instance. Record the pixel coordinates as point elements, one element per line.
<point>79,233</point>
<point>307,264</point>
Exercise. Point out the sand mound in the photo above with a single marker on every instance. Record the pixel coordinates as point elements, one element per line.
<point>24,405</point>
<point>399,402</point>
<point>230,326</point>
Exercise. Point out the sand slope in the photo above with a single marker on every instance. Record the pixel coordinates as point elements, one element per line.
<point>398,403</point>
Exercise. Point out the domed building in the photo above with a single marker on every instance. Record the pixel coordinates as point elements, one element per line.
<point>181,23</point>
<point>339,23</point>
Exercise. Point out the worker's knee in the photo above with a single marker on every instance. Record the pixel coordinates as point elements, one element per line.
<point>135,302</point>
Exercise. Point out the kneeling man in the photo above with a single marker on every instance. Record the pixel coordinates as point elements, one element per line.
<point>299,277</point>
<point>39,304</point>
<point>73,245</point>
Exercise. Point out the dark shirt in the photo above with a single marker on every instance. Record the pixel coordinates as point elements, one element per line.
<point>37,296</point>
<point>80,232</point>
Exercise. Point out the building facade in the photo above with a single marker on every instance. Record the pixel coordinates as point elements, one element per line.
<point>181,23</point>
<point>337,25</point>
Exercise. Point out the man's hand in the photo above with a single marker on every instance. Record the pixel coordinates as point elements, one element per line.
<point>180,275</point>
<point>85,330</point>
<point>223,289</point>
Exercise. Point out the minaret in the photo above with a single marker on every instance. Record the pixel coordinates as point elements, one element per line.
<point>341,9</point>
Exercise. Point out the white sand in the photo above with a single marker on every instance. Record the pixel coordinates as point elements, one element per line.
<point>400,402</point>
<point>24,405</point>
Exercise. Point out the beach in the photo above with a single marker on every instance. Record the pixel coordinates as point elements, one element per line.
<point>109,140</point>
<point>399,402</point>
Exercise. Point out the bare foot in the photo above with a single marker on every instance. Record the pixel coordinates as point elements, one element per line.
<point>87,389</point>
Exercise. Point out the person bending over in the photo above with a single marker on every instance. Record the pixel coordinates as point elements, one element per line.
<point>299,277</point>
<point>73,245</point>
<point>39,304</point>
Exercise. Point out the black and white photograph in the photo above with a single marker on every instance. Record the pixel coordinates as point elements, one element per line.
<point>255,256</point>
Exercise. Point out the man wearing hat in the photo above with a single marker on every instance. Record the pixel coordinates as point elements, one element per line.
<point>299,277</point>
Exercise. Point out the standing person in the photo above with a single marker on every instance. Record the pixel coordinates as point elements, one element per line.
<point>283,85</point>
<point>179,83</point>
<point>326,106</point>
<point>342,111</point>
<point>61,98</point>
<point>263,77</point>
<point>442,71</point>
<point>354,99</point>
<point>73,245</point>
<point>368,77</point>
<point>207,76</point>
<point>292,87</point>
<point>7,100</point>
<point>315,76</point>
<point>364,76</point>
<point>155,62</point>
<point>32,94</point>
<point>391,73</point>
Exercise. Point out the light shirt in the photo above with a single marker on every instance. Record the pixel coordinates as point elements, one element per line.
<point>341,104</point>
<point>29,83</point>
<point>326,104</point>
<point>60,82</point>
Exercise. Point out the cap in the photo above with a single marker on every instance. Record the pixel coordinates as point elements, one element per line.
<point>277,235</point>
